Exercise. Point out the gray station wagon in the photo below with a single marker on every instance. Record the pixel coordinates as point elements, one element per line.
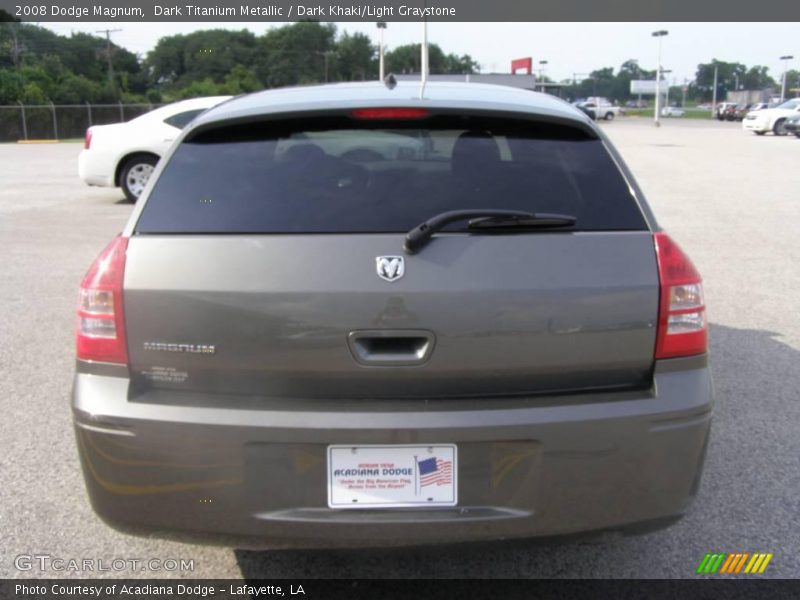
<point>361,314</point>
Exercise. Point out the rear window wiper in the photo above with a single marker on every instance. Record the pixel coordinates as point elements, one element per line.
<point>484,219</point>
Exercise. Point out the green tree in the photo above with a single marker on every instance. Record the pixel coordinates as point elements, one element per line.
<point>356,58</point>
<point>727,75</point>
<point>296,54</point>
<point>40,79</point>
<point>600,82</point>
<point>75,89</point>
<point>85,55</point>
<point>206,87</point>
<point>605,83</point>
<point>10,86</point>
<point>240,80</point>
<point>33,94</point>
<point>460,65</point>
<point>757,78</point>
<point>406,59</point>
<point>50,61</point>
<point>165,63</point>
<point>629,71</point>
<point>179,60</point>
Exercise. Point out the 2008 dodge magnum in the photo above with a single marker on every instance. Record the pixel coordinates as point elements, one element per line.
<point>358,315</point>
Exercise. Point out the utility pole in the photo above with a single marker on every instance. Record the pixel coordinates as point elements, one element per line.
<point>658,34</point>
<point>785,60</point>
<point>714,97</point>
<point>16,52</point>
<point>108,33</point>
<point>325,54</point>
<point>542,65</point>
<point>382,28</point>
<point>424,65</point>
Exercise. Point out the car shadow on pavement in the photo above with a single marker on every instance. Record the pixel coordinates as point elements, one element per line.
<point>746,502</point>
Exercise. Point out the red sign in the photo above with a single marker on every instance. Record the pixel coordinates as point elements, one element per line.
<point>522,63</point>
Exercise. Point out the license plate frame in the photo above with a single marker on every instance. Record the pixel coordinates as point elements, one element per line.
<point>373,476</point>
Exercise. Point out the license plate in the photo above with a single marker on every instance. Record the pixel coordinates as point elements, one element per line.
<point>392,476</point>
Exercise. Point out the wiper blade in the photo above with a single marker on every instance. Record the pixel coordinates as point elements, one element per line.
<point>482,219</point>
<point>539,221</point>
<point>422,233</point>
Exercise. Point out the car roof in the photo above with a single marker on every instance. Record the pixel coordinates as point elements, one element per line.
<point>183,105</point>
<point>199,102</point>
<point>343,96</point>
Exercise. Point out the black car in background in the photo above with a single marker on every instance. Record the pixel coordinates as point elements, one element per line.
<point>792,125</point>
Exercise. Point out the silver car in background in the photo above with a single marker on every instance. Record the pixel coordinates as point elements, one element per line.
<point>351,315</point>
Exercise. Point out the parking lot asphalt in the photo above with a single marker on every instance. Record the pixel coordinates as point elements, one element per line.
<point>731,199</point>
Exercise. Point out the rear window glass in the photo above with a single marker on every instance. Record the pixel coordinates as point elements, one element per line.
<point>339,175</point>
<point>182,119</point>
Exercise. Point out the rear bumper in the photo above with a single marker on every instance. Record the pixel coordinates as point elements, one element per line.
<point>94,169</point>
<point>527,467</point>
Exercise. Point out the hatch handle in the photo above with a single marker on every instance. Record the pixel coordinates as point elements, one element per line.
<point>387,347</point>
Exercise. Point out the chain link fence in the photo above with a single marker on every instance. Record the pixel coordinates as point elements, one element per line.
<point>62,121</point>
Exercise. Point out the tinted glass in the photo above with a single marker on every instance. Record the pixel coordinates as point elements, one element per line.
<point>182,119</point>
<point>341,175</point>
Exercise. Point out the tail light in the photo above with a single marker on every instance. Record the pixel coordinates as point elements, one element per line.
<point>390,113</point>
<point>682,328</point>
<point>101,321</point>
<point>87,141</point>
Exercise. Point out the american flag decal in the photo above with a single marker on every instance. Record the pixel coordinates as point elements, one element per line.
<point>435,471</point>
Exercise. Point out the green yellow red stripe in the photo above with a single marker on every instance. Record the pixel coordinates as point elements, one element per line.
<point>732,563</point>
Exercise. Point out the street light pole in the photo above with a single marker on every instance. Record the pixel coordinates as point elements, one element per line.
<point>381,27</point>
<point>424,66</point>
<point>785,60</point>
<point>714,93</point>
<point>542,64</point>
<point>658,34</point>
<point>325,54</point>
<point>108,33</point>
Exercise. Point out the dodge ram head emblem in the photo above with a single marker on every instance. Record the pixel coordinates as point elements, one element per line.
<point>390,268</point>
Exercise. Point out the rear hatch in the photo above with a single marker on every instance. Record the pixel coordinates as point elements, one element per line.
<point>266,261</point>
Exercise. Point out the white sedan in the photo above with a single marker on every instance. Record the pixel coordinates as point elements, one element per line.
<point>672,111</point>
<point>124,154</point>
<point>771,119</point>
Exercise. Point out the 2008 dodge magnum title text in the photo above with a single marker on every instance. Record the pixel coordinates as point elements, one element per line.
<point>300,10</point>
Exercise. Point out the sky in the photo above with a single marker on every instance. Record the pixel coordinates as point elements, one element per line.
<point>568,48</point>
